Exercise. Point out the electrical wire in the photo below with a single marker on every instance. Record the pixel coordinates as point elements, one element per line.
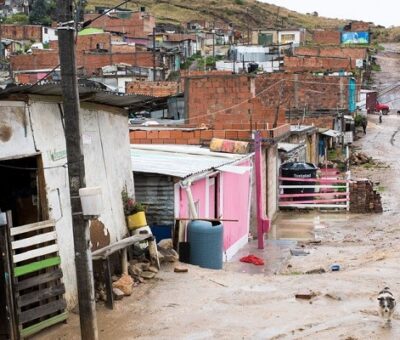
<point>84,25</point>
<point>65,165</point>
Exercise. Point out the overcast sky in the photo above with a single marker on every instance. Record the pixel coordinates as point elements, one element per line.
<point>382,12</point>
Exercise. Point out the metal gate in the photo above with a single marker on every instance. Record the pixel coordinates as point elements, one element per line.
<point>321,193</point>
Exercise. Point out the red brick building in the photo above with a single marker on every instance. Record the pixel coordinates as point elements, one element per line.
<point>136,24</point>
<point>353,53</point>
<point>318,64</point>
<point>326,37</point>
<point>91,62</point>
<point>302,91</point>
<point>22,32</point>
<point>154,89</point>
<point>228,102</point>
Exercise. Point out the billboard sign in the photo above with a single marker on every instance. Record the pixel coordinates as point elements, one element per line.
<point>355,37</point>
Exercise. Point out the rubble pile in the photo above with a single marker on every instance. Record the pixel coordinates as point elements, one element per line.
<point>140,270</point>
<point>359,158</point>
<point>363,198</point>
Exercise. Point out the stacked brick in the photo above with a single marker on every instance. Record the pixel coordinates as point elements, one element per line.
<point>363,198</point>
<point>198,136</point>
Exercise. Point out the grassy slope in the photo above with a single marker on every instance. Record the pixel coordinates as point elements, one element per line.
<point>240,12</point>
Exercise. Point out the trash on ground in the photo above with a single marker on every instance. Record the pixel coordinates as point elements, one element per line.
<point>299,252</point>
<point>252,259</point>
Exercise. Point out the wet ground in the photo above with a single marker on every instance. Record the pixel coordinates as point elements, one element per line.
<point>248,302</point>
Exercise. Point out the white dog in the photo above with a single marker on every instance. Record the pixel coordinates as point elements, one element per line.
<point>387,304</point>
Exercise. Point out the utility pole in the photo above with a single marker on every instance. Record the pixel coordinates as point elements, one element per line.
<point>154,54</point>
<point>76,170</point>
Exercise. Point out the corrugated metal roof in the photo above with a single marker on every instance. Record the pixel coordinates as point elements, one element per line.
<point>332,133</point>
<point>178,161</point>
<point>289,147</point>
<point>301,128</point>
<point>93,92</point>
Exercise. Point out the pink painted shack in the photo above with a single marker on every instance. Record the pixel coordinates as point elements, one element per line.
<point>188,181</point>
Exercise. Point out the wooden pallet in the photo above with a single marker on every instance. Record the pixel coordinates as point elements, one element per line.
<point>37,277</point>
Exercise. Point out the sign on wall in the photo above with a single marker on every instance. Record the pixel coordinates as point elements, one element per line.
<point>355,37</point>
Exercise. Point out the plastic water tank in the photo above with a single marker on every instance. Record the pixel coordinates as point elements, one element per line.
<point>206,244</point>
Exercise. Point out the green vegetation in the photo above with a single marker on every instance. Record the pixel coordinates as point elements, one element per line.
<point>41,12</point>
<point>239,2</point>
<point>189,61</point>
<point>19,19</point>
<point>208,62</point>
<point>376,67</point>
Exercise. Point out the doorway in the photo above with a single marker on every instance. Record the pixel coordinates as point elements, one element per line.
<point>23,197</point>
<point>23,190</point>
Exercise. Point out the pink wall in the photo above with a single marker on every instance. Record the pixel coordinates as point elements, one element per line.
<point>236,189</point>
<point>233,190</point>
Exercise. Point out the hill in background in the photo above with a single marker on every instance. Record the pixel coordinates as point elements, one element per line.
<point>242,13</point>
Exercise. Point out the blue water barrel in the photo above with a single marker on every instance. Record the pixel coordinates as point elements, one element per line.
<point>206,244</point>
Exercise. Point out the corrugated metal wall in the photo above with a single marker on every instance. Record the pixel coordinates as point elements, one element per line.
<point>156,192</point>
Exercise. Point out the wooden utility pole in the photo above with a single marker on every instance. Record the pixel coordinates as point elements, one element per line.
<point>154,54</point>
<point>76,170</point>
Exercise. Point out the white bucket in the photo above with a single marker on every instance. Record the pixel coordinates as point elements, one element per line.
<point>91,200</point>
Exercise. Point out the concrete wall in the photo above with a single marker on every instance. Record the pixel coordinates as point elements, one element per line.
<point>38,127</point>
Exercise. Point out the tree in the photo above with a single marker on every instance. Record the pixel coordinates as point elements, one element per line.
<point>40,12</point>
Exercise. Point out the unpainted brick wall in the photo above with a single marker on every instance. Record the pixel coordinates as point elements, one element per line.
<point>301,64</point>
<point>155,89</point>
<point>360,26</point>
<point>219,100</point>
<point>326,37</point>
<point>138,25</point>
<point>199,136</point>
<point>338,52</point>
<point>22,32</point>
<point>91,62</point>
<point>299,91</point>
<point>89,42</point>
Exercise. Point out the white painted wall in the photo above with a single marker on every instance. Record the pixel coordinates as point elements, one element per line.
<point>49,34</point>
<point>38,127</point>
<point>297,37</point>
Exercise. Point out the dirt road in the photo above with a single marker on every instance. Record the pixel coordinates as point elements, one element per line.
<point>245,302</point>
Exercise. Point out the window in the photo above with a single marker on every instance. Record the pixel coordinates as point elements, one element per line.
<point>46,30</point>
<point>287,38</point>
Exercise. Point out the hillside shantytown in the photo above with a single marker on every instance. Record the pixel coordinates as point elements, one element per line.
<point>171,169</point>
